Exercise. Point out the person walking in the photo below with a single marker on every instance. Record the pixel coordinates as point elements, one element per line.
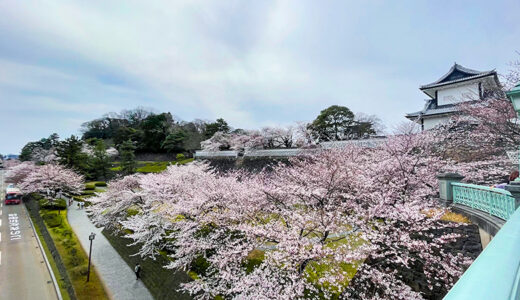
<point>137,271</point>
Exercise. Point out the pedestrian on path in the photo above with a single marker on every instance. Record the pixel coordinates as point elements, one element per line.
<point>137,271</point>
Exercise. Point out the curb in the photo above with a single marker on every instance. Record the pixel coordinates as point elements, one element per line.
<point>54,281</point>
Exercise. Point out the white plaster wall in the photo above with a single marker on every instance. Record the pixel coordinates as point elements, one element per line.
<point>458,94</point>
<point>429,123</point>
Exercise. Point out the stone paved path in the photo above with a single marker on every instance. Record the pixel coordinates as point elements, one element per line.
<point>117,276</point>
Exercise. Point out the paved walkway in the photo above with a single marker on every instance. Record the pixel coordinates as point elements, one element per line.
<point>118,277</point>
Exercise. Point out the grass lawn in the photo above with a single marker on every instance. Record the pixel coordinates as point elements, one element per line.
<point>151,166</point>
<point>162,283</point>
<point>159,166</point>
<point>73,256</point>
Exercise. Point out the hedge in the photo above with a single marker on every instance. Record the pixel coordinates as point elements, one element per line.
<point>90,186</point>
<point>58,204</point>
<point>88,193</point>
<point>63,278</point>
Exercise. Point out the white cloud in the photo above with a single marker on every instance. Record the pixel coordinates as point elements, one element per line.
<point>252,62</point>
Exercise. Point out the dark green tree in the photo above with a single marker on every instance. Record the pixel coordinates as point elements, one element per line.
<point>100,161</point>
<point>333,124</point>
<point>69,152</point>
<point>40,146</point>
<point>124,133</point>
<point>26,153</point>
<point>127,155</point>
<point>174,141</point>
<point>219,125</point>
<point>155,129</point>
<point>194,135</point>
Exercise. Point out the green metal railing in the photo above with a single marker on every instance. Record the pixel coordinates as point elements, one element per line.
<point>496,202</point>
<point>495,274</point>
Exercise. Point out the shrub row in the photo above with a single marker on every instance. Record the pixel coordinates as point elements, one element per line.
<point>74,258</point>
<point>64,280</point>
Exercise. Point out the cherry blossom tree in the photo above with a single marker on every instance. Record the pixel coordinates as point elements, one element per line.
<point>217,142</point>
<point>248,140</point>
<point>9,163</point>
<point>52,180</point>
<point>268,137</point>
<point>17,173</point>
<point>278,137</point>
<point>310,221</point>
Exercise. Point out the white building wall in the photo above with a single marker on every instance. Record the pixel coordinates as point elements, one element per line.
<point>429,123</point>
<point>458,94</point>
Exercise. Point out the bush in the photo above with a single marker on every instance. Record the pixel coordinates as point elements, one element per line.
<point>75,260</point>
<point>58,204</point>
<point>67,243</point>
<point>36,196</point>
<point>90,186</point>
<point>88,193</point>
<point>101,183</point>
<point>79,271</point>
<point>52,220</point>
<point>153,167</point>
<point>132,211</point>
<point>82,198</point>
<point>180,156</point>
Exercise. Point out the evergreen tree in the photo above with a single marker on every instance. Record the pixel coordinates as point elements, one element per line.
<point>174,141</point>
<point>100,161</point>
<point>127,155</point>
<point>333,123</point>
<point>220,125</point>
<point>69,152</point>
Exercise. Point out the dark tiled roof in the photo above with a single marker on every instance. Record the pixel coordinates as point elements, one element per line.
<point>458,73</point>
<point>430,108</point>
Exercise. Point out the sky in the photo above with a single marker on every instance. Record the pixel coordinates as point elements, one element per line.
<point>253,63</point>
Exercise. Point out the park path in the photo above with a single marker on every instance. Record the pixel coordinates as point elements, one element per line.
<point>118,277</point>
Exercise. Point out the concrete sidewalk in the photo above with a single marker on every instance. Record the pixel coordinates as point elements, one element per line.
<point>118,277</point>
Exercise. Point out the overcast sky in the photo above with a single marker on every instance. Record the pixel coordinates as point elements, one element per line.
<point>254,63</point>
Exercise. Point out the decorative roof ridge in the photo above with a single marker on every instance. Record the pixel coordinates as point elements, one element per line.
<point>467,70</point>
<point>436,84</point>
<point>458,68</point>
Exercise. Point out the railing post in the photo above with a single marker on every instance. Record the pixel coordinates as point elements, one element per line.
<point>445,187</point>
<point>514,189</point>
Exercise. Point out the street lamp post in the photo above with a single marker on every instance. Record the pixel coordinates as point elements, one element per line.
<point>91,238</point>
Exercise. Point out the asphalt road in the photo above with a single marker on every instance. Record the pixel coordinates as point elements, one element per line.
<point>23,272</point>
